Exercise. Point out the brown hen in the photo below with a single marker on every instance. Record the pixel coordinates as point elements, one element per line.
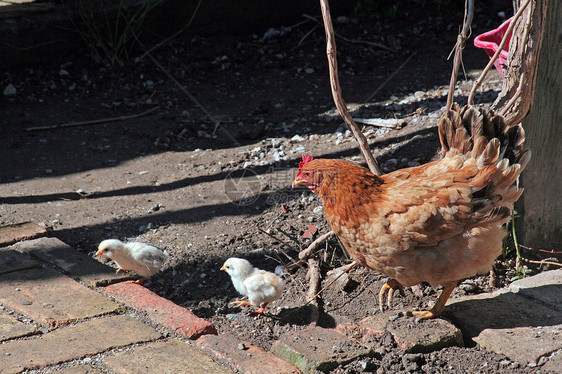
<point>436,223</point>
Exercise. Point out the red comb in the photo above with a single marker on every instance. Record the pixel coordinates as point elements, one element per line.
<point>305,159</point>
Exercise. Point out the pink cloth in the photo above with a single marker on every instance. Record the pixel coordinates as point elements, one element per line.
<point>490,41</point>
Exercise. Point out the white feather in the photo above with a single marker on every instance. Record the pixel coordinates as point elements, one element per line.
<point>143,259</point>
<point>259,285</point>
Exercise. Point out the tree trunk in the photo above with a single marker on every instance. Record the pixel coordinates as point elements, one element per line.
<point>541,207</point>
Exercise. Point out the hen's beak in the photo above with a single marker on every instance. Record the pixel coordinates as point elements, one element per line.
<point>223,268</point>
<point>99,252</point>
<point>298,182</point>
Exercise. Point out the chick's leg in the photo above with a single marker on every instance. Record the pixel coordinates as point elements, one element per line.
<point>140,281</point>
<point>439,305</point>
<point>261,309</point>
<point>241,303</point>
<point>389,288</point>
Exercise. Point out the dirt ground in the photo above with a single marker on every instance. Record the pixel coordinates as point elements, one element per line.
<point>170,178</point>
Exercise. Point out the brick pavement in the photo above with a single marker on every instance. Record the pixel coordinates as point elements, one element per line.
<point>55,315</point>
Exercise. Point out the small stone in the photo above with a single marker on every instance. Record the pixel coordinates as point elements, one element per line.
<point>543,360</point>
<point>10,90</point>
<point>242,346</point>
<point>505,363</point>
<point>342,20</point>
<point>367,365</point>
<point>309,70</point>
<point>232,317</point>
<point>412,361</point>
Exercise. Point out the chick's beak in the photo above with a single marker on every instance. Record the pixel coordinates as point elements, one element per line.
<point>99,252</point>
<point>223,268</point>
<point>298,182</point>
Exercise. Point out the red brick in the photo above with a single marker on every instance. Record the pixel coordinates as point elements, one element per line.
<point>10,234</point>
<point>11,260</point>
<point>159,309</point>
<point>73,342</point>
<point>250,360</point>
<point>164,357</point>
<point>52,298</point>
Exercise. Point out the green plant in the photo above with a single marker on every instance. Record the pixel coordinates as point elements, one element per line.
<point>392,11</point>
<point>110,34</point>
<point>510,245</point>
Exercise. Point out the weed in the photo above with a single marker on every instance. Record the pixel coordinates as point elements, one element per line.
<point>511,245</point>
<point>108,34</point>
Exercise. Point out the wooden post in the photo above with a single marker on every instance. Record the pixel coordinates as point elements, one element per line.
<point>540,90</point>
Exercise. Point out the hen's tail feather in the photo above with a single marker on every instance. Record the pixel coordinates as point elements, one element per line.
<point>499,152</point>
<point>472,130</point>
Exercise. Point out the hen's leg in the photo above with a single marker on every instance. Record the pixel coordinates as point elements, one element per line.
<point>389,288</point>
<point>439,305</point>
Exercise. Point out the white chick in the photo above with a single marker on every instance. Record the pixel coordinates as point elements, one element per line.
<point>261,287</point>
<point>141,258</point>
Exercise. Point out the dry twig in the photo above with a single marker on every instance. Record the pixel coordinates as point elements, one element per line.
<point>344,269</point>
<point>542,262</point>
<point>496,55</point>
<point>306,253</point>
<point>391,123</point>
<point>552,251</point>
<point>93,122</point>
<point>336,91</point>
<point>389,78</point>
<point>353,41</point>
<point>461,39</point>
<point>189,95</point>
<point>313,277</point>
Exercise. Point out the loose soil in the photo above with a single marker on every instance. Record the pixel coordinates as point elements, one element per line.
<point>205,193</point>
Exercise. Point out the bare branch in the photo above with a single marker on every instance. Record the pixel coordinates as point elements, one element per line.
<point>306,253</point>
<point>353,41</point>
<point>380,87</point>
<point>391,123</point>
<point>336,91</point>
<point>345,268</point>
<point>461,39</point>
<point>313,277</point>
<point>189,95</point>
<point>496,55</point>
<point>93,122</point>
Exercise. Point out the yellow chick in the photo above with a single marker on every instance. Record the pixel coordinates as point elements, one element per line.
<point>141,258</point>
<point>261,287</point>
